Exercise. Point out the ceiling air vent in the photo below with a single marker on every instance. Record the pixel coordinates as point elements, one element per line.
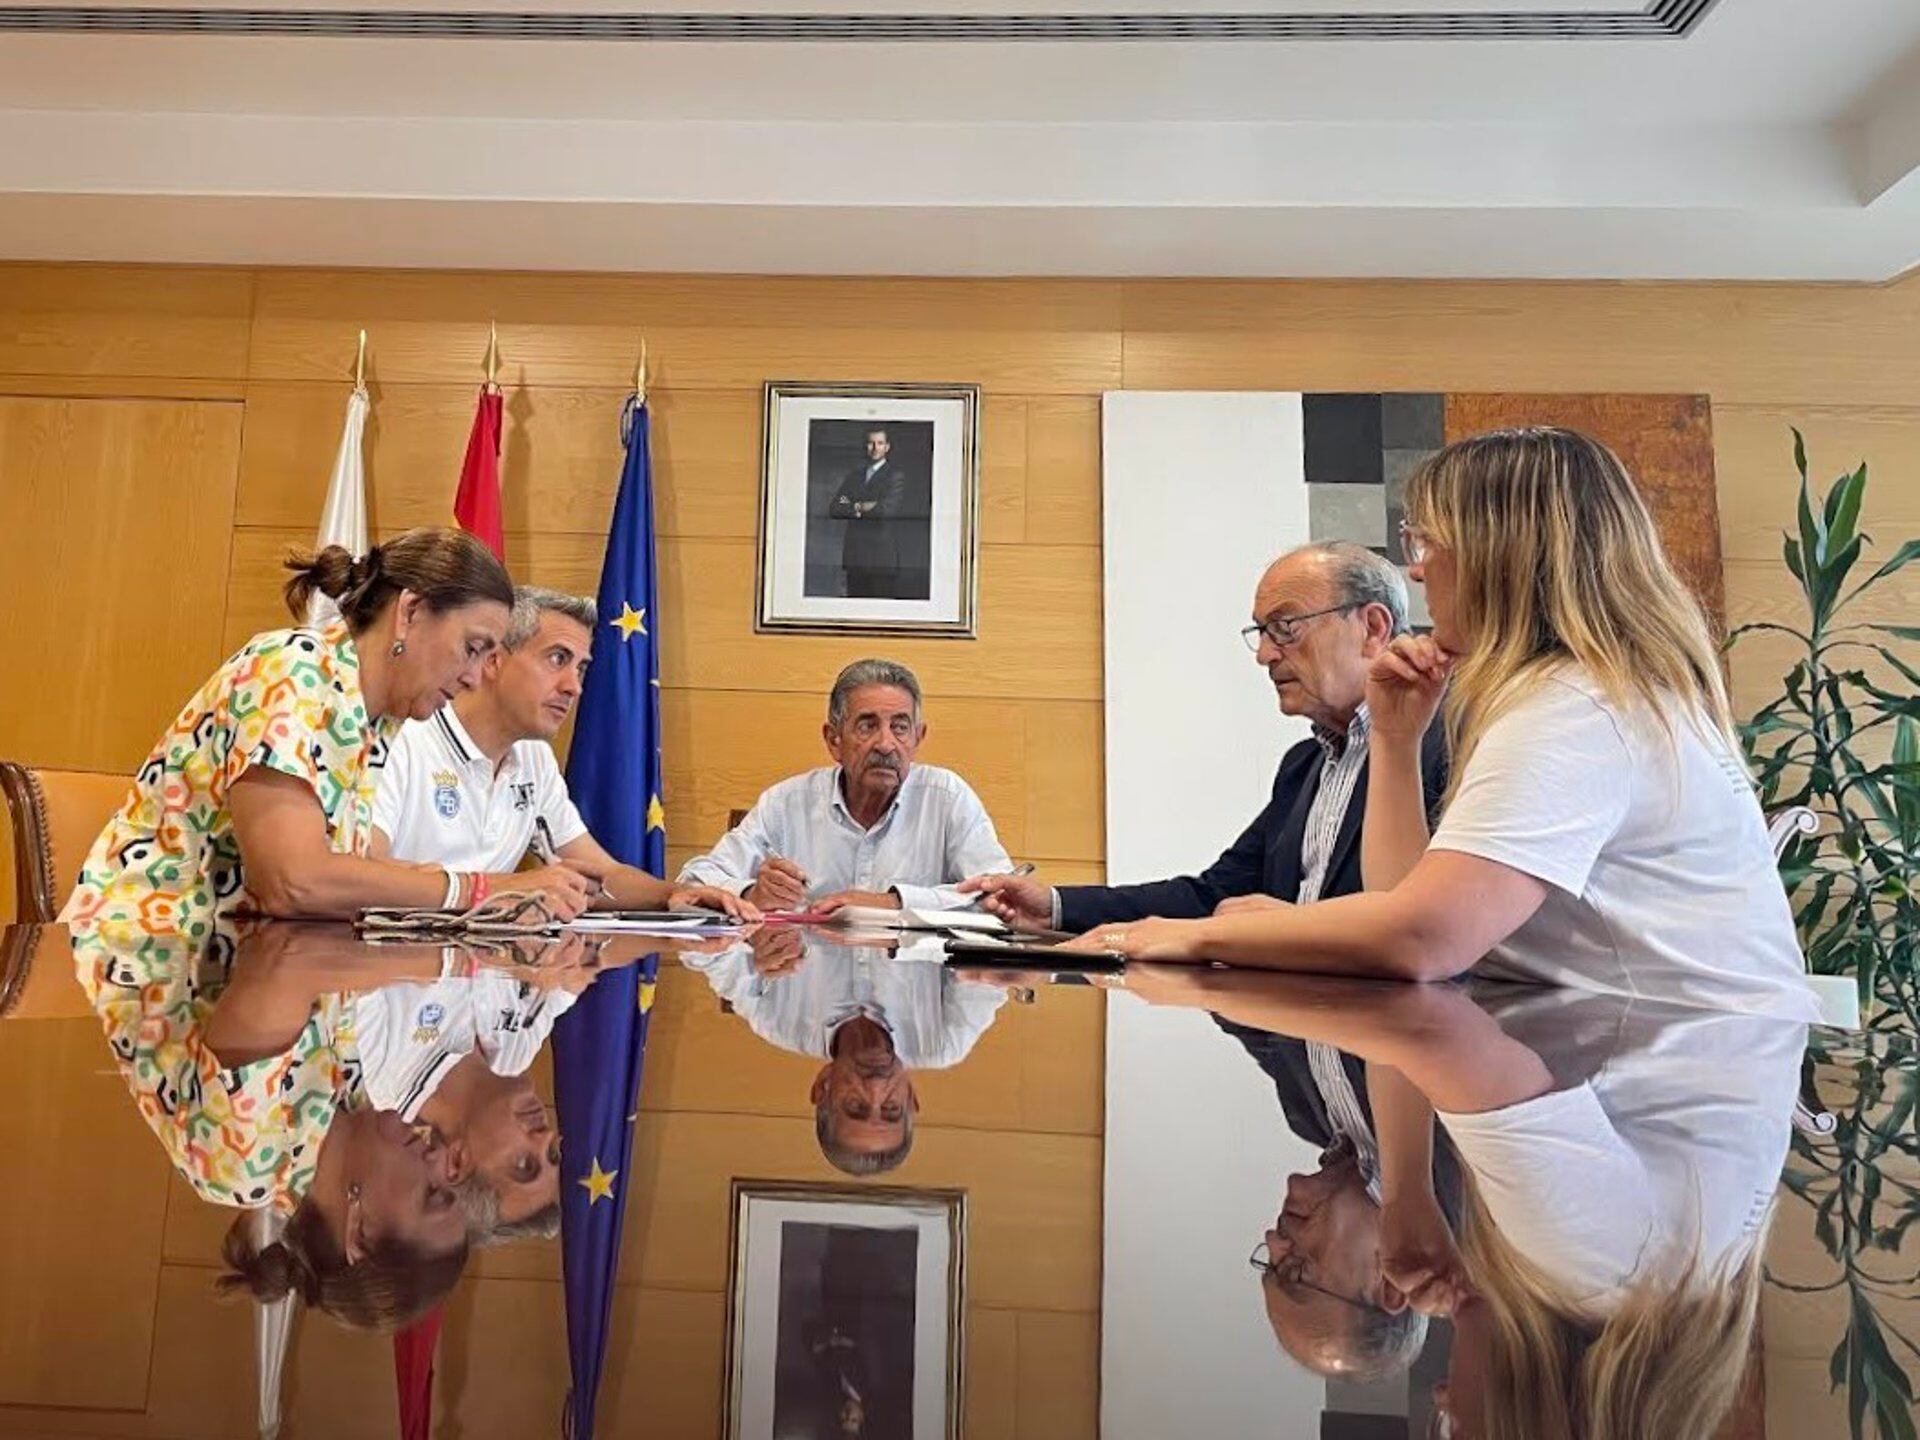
<point>1660,20</point>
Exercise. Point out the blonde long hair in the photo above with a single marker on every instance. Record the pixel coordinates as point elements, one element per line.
<point>1668,1362</point>
<point>1557,559</point>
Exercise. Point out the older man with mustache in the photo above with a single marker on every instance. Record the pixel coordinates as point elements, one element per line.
<point>873,829</point>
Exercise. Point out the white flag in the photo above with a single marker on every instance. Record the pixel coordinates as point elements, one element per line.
<point>272,1319</point>
<point>344,520</point>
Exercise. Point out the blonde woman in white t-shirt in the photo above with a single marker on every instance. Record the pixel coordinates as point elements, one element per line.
<point>1601,831</point>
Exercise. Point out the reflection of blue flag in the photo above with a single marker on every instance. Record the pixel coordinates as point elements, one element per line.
<point>598,1045</point>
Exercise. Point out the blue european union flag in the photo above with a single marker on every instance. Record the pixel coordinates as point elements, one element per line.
<point>599,1045</point>
<point>613,769</point>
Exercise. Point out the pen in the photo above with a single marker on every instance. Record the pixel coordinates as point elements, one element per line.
<point>549,852</point>
<point>1018,871</point>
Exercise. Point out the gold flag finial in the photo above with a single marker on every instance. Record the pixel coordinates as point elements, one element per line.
<point>640,374</point>
<point>493,355</point>
<point>360,364</point>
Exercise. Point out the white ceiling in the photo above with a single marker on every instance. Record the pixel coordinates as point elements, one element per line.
<point>1780,139</point>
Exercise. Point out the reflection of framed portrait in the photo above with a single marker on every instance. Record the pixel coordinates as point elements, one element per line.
<point>869,502</point>
<point>844,1312</point>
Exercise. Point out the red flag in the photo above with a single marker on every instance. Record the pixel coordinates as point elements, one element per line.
<point>476,505</point>
<point>413,1351</point>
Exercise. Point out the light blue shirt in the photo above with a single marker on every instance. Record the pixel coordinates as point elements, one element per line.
<point>935,834</point>
<point>932,1014</point>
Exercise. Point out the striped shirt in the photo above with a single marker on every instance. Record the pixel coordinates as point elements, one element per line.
<point>1344,757</point>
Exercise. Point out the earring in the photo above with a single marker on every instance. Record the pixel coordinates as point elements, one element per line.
<point>399,649</point>
<point>353,1190</point>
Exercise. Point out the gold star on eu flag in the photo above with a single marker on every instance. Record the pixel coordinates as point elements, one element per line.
<point>656,814</point>
<point>629,620</point>
<point>598,1183</point>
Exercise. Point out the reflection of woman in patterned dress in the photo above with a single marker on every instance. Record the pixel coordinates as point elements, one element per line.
<point>255,1091</point>
<point>259,795</point>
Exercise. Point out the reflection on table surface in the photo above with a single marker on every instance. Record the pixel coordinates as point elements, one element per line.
<point>864,1193</point>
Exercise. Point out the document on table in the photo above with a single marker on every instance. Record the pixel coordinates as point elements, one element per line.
<point>873,918</point>
<point>654,922</point>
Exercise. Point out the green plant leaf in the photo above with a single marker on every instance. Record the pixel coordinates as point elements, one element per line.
<point>1753,625</point>
<point>1858,1393</point>
<point>1833,574</point>
<point>1907,672</point>
<point>1906,752</point>
<point>1843,505</point>
<point>1902,558</point>
<point>1792,552</point>
<point>1813,531</point>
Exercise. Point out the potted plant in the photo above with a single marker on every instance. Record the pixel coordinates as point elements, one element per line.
<point>1841,740</point>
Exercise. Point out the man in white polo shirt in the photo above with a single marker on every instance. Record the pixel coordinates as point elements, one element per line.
<point>476,787</point>
<point>873,829</point>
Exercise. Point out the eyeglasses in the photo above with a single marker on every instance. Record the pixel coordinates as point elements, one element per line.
<point>1284,630</point>
<point>1415,545</point>
<point>1291,1273</point>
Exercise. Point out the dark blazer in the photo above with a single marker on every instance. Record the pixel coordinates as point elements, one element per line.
<point>1284,1060</point>
<point>875,541</point>
<point>1266,857</point>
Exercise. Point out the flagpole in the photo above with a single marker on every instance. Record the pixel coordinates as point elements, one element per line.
<point>477,498</point>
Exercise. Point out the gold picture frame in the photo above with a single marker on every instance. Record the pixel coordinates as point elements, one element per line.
<point>857,542</point>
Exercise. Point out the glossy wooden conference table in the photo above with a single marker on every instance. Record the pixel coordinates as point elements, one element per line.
<point>1077,1225</point>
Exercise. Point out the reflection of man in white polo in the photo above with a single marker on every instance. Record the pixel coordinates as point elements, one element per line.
<point>455,1054</point>
<point>476,787</point>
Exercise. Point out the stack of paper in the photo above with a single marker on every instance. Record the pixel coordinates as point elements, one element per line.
<point>862,918</point>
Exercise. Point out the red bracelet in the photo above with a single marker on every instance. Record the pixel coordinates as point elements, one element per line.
<point>480,888</point>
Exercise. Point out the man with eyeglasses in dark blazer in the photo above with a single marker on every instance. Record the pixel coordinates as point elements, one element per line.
<point>1321,614</point>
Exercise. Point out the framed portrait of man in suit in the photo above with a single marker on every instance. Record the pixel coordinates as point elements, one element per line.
<point>869,497</point>
<point>844,1312</point>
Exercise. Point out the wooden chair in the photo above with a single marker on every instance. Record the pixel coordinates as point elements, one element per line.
<point>56,815</point>
<point>18,943</point>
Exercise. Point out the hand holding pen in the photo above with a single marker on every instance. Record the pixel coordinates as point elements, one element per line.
<point>1024,904</point>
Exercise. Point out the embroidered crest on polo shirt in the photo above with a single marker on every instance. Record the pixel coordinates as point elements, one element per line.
<point>426,1027</point>
<point>446,793</point>
<point>523,795</point>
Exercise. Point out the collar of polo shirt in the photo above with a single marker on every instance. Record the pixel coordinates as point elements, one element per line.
<point>460,744</point>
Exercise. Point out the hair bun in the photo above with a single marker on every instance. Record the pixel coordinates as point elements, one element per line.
<point>364,570</point>
<point>329,573</point>
<point>269,1273</point>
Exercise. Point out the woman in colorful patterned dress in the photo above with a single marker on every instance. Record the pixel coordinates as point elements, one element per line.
<point>249,1075</point>
<point>259,797</point>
